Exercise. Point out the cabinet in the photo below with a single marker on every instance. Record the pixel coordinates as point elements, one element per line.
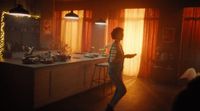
<point>55,83</point>
<point>42,89</point>
<point>164,67</point>
<point>58,82</point>
<point>87,74</point>
<point>28,87</point>
<point>66,81</point>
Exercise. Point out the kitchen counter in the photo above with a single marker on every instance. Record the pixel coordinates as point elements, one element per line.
<point>75,58</point>
<point>26,87</point>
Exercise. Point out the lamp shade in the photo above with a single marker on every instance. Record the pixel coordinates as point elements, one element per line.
<point>19,11</point>
<point>100,22</point>
<point>71,15</point>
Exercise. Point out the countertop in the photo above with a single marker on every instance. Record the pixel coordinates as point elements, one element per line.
<point>75,58</point>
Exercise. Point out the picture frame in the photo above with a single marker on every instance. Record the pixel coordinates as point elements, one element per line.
<point>168,34</point>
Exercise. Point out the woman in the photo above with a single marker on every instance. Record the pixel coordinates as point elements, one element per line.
<point>116,60</point>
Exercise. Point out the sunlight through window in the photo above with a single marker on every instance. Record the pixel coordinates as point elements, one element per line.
<point>71,31</point>
<point>133,37</point>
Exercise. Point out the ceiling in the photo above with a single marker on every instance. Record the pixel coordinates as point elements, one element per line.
<point>132,0</point>
<point>71,0</point>
<point>82,4</point>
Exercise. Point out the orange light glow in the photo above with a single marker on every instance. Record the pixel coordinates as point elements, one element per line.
<point>20,15</point>
<point>133,37</point>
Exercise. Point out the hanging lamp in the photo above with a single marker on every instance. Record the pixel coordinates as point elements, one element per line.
<point>100,22</point>
<point>19,11</point>
<point>71,15</point>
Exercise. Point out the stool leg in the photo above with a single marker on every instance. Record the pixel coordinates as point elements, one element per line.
<point>104,80</point>
<point>99,79</point>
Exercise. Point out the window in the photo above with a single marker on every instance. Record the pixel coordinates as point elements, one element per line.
<point>71,31</point>
<point>133,38</point>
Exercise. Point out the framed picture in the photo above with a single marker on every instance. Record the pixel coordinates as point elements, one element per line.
<point>168,34</point>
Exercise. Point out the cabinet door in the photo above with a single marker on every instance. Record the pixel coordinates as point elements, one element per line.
<point>88,68</point>
<point>67,80</point>
<point>42,91</point>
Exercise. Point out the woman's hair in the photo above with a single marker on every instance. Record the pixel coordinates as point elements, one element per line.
<point>116,31</point>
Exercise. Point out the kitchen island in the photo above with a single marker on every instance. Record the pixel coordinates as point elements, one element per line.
<point>26,87</point>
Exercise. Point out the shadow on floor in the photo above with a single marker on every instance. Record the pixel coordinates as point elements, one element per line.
<point>142,95</point>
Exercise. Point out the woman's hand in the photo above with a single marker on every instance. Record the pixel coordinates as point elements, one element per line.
<point>130,55</point>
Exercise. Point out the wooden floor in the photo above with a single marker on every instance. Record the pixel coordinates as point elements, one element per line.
<point>142,95</point>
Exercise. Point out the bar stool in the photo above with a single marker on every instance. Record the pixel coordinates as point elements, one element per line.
<point>100,76</point>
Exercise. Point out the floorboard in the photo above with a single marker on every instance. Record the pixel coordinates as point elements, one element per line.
<point>142,95</point>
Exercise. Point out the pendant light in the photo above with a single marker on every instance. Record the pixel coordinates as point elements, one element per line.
<point>100,22</point>
<point>71,16</point>
<point>19,11</point>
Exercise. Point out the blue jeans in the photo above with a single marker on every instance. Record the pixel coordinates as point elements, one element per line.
<point>115,73</point>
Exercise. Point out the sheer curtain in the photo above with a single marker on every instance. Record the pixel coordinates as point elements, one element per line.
<point>150,35</point>
<point>133,37</point>
<point>140,36</point>
<point>190,40</point>
<point>71,31</point>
